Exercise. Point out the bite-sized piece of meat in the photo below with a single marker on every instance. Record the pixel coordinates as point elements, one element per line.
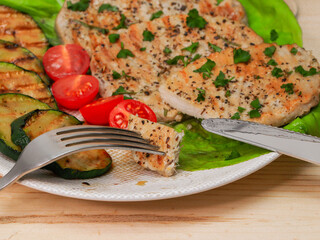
<point>147,69</point>
<point>166,138</point>
<point>71,30</point>
<point>20,28</point>
<point>276,80</point>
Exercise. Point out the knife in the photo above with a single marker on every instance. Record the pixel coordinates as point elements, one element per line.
<point>302,146</point>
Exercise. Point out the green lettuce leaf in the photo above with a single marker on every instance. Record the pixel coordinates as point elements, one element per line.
<point>266,15</point>
<point>202,150</point>
<point>309,124</point>
<point>43,12</point>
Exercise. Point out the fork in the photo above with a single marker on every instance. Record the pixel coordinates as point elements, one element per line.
<point>61,142</point>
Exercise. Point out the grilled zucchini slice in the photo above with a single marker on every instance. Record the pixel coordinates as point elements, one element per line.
<point>14,79</point>
<point>13,106</point>
<point>22,57</point>
<point>81,165</point>
<point>20,28</point>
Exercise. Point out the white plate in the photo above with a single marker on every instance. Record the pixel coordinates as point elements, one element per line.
<point>127,181</point>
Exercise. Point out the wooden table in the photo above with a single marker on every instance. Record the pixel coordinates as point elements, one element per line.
<point>281,201</point>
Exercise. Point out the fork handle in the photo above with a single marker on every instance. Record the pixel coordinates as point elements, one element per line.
<point>12,176</point>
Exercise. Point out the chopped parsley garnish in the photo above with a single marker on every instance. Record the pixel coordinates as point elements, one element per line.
<point>228,93</point>
<point>194,20</point>
<point>125,75</point>
<point>167,50</point>
<point>124,53</point>
<point>108,7</point>
<point>192,48</point>
<point>234,154</point>
<point>185,60</point>
<point>277,72</point>
<point>272,62</point>
<point>241,109</point>
<point>201,95</point>
<point>274,35</point>
<point>289,73</point>
<point>218,2</point>
<point>294,51</point>
<point>175,60</point>
<point>165,112</point>
<point>156,15</point>
<point>241,56</point>
<point>215,48</point>
<point>101,30</point>
<point>269,51</point>
<point>254,113</point>
<point>288,88</point>
<point>81,6</point>
<point>206,69</point>
<point>195,58</point>
<point>122,23</point>
<point>221,80</point>
<point>147,36</point>
<point>122,91</point>
<point>143,49</point>
<point>257,77</point>
<point>236,116</point>
<point>305,73</point>
<point>256,104</point>
<point>113,37</point>
<point>116,75</point>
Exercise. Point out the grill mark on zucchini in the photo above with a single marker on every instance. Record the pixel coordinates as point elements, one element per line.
<point>20,60</point>
<point>43,99</point>
<point>13,106</point>
<point>9,46</point>
<point>22,57</point>
<point>14,79</point>
<point>23,30</point>
<point>34,44</point>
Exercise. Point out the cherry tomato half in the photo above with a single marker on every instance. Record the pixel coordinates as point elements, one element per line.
<point>65,60</point>
<point>98,111</point>
<point>119,116</point>
<point>75,91</point>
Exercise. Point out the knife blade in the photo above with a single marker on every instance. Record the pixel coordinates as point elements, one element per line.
<point>283,141</point>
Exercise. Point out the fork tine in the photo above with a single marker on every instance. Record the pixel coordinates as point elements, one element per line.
<point>77,135</point>
<point>111,142</point>
<point>95,145</point>
<point>92,128</point>
<point>95,135</point>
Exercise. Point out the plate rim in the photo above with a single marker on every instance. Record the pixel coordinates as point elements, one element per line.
<point>270,157</point>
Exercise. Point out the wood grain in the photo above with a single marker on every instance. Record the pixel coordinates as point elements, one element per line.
<point>281,201</point>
